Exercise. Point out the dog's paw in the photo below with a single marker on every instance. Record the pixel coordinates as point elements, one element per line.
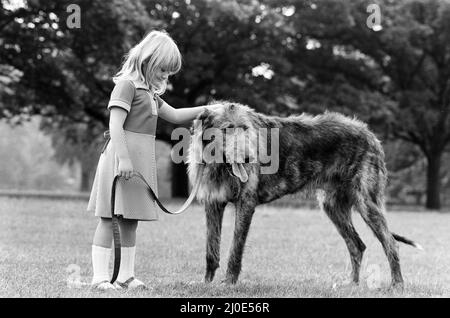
<point>398,287</point>
<point>228,281</point>
<point>208,278</point>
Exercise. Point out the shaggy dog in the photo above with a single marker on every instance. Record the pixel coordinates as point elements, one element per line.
<point>330,152</point>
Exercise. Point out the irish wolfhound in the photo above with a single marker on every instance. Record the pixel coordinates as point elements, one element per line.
<point>331,152</point>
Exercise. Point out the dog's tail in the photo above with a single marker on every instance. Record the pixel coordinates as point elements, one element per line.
<point>406,241</point>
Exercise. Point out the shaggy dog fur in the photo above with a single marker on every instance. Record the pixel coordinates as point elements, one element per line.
<point>330,152</point>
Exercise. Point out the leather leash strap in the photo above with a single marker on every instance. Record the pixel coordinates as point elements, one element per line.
<point>115,219</point>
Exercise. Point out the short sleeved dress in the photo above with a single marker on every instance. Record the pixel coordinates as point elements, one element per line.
<point>132,199</point>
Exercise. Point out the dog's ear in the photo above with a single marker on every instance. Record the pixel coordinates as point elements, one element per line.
<point>206,117</point>
<point>204,114</point>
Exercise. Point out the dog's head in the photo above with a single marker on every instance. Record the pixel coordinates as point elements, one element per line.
<point>224,139</point>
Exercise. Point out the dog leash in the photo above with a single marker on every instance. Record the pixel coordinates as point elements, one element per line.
<point>115,219</point>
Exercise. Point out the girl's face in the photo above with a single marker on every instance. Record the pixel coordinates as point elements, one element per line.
<point>162,74</point>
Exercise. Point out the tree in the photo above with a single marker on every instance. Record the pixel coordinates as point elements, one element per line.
<point>278,56</point>
<point>67,72</point>
<point>404,64</point>
<point>221,43</point>
<point>75,143</point>
<point>22,171</point>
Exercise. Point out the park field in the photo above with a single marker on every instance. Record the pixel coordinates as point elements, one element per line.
<point>45,246</point>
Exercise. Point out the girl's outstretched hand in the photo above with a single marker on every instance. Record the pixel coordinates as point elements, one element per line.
<point>215,107</point>
<point>125,168</point>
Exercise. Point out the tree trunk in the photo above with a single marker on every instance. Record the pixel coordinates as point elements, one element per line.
<point>434,181</point>
<point>180,181</point>
<point>85,184</point>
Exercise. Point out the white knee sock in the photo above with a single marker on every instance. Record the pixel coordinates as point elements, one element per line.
<point>126,263</point>
<point>100,263</point>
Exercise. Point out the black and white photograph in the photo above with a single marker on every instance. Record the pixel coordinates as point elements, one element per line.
<point>241,150</point>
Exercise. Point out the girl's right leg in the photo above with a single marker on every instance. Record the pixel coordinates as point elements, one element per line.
<point>101,253</point>
<point>126,279</point>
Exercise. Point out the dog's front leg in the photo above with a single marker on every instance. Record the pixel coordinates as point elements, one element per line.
<point>214,216</point>
<point>244,213</point>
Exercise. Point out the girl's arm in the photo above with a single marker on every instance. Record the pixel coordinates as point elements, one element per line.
<point>181,115</point>
<point>116,120</point>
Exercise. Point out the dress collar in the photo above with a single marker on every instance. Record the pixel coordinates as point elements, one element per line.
<point>140,84</point>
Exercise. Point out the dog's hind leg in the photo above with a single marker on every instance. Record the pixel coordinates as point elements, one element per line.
<point>372,213</point>
<point>244,213</point>
<point>214,217</point>
<point>337,205</point>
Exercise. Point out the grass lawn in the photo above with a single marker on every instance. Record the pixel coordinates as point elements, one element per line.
<point>290,252</point>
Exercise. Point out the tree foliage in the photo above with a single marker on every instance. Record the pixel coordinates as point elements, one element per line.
<point>278,56</point>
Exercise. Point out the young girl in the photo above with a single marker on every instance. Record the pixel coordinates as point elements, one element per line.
<point>134,108</point>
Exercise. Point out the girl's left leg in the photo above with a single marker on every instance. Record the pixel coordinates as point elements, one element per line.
<point>128,229</point>
<point>126,278</point>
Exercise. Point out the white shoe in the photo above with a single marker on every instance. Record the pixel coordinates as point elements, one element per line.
<point>103,286</point>
<point>130,284</point>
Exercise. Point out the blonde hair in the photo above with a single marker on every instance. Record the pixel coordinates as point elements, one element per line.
<point>156,50</point>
